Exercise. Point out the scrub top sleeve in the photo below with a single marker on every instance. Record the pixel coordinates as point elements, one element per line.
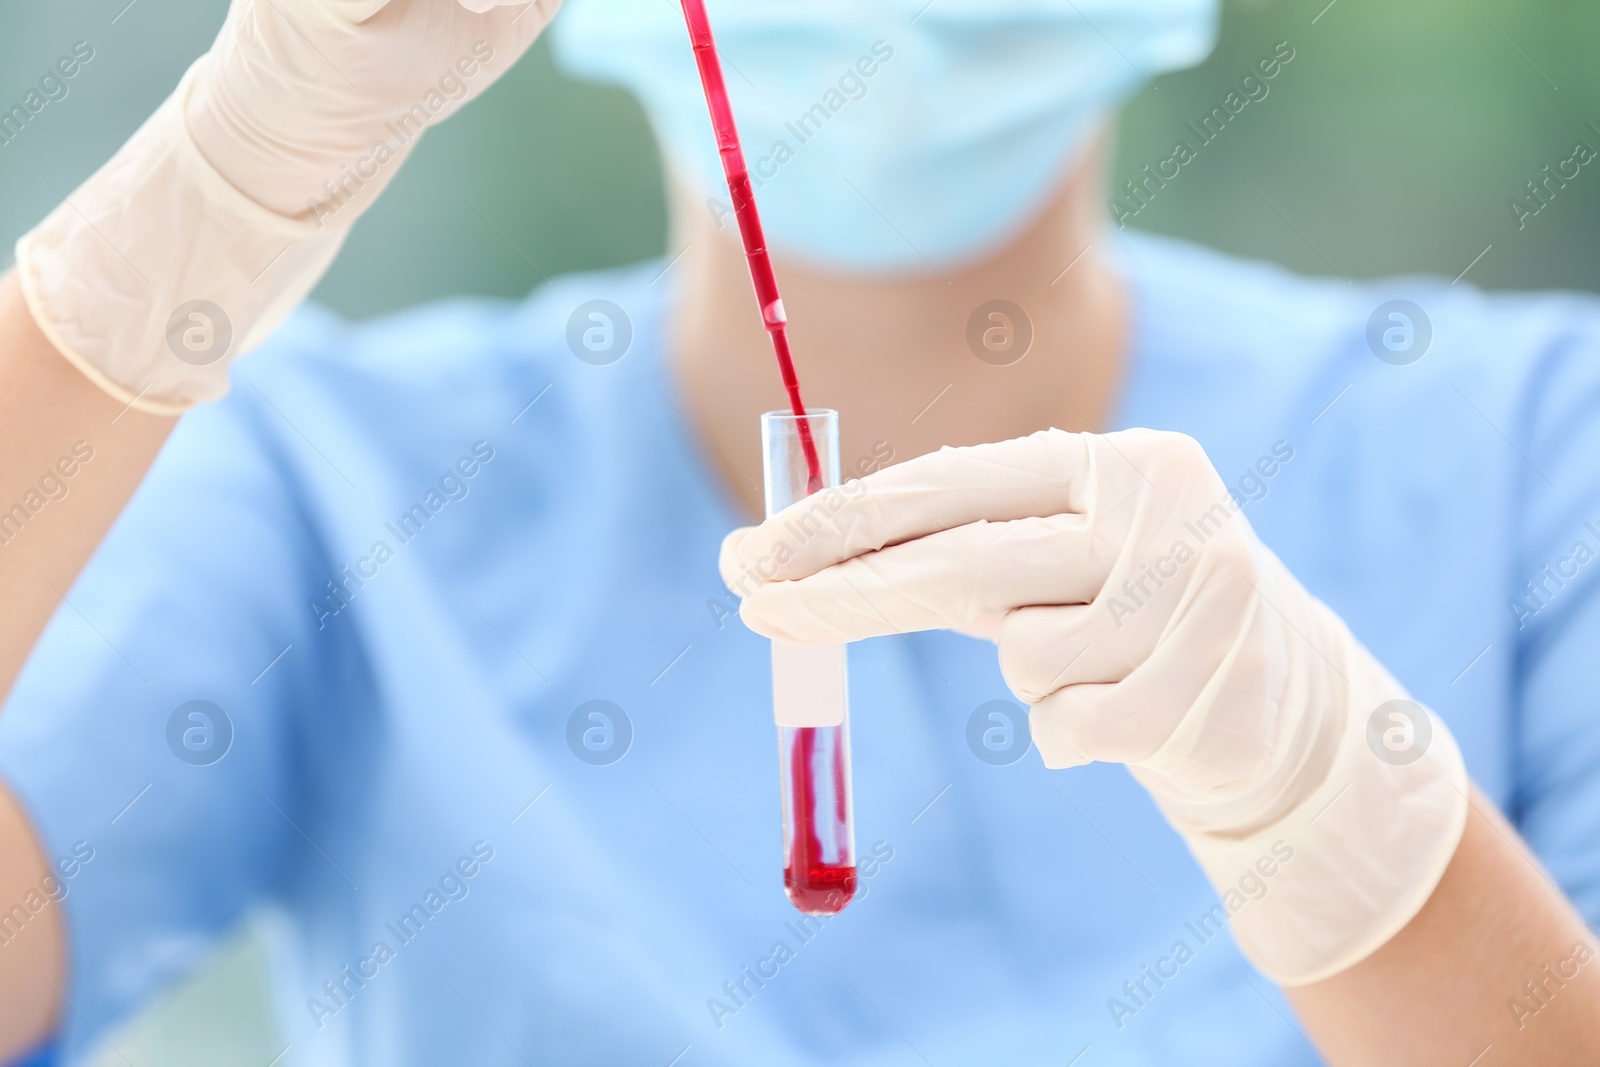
<point>1553,611</point>
<point>153,735</point>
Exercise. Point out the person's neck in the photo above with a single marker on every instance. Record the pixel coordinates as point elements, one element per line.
<point>892,354</point>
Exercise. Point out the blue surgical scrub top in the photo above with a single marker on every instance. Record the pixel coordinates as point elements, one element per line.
<point>399,565</point>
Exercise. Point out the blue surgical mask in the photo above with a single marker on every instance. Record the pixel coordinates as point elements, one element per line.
<point>888,136</point>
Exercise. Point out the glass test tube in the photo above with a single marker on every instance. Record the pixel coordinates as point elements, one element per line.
<point>809,687</point>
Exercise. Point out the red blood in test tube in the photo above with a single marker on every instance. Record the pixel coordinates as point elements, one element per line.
<point>814,885</point>
<point>813,761</point>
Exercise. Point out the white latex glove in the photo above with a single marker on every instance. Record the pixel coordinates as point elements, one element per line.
<point>1145,624</point>
<point>227,206</point>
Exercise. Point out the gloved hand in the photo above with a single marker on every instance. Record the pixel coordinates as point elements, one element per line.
<point>1145,624</point>
<point>227,206</point>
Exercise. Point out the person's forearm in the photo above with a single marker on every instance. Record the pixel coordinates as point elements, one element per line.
<point>32,944</point>
<point>70,457</point>
<point>1497,968</point>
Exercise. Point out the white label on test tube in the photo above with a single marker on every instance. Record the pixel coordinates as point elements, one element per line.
<point>808,685</point>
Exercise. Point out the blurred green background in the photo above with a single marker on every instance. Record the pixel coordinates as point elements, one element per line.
<point>1391,143</point>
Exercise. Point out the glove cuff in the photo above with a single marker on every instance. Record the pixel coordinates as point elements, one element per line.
<point>1329,883</point>
<point>157,273</point>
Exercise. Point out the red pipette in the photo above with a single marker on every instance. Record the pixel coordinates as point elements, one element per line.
<point>744,209</point>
